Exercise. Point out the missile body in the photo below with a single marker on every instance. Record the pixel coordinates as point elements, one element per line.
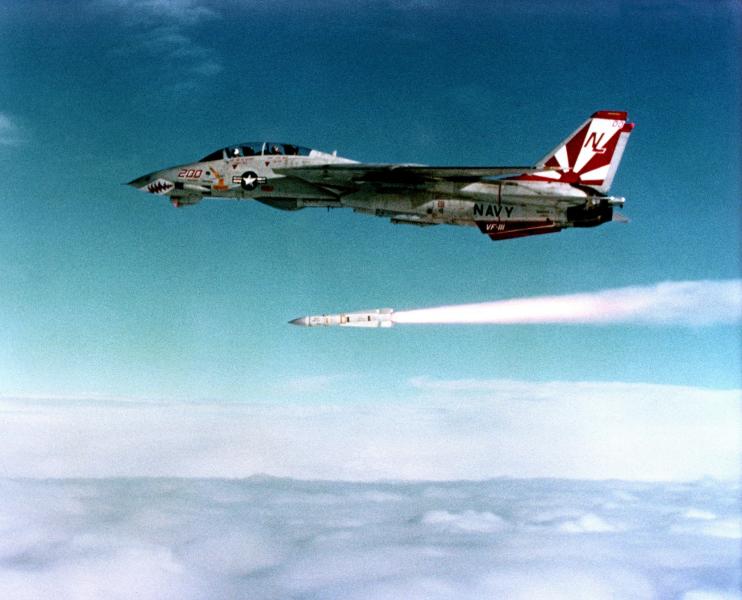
<point>377,317</point>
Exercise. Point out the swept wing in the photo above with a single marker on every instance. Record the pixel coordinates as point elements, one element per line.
<point>356,173</point>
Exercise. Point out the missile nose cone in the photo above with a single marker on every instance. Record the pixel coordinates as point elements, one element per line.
<point>303,321</point>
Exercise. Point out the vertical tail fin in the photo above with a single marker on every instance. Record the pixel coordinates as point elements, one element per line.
<point>590,156</point>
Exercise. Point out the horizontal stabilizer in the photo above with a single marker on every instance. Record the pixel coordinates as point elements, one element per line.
<point>506,230</point>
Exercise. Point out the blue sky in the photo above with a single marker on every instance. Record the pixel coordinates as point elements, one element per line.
<point>107,291</point>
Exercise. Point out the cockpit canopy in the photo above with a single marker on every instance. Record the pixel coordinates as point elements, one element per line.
<point>257,149</point>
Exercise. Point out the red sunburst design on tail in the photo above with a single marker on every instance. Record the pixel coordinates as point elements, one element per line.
<point>590,156</point>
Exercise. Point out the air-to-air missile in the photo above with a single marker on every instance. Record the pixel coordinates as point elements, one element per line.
<point>377,317</point>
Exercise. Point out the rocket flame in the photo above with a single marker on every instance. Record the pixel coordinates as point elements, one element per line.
<point>682,303</point>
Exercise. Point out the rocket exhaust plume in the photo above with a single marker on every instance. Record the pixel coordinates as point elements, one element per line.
<point>684,303</point>
<point>674,303</point>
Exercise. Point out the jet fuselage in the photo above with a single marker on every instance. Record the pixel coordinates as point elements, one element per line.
<point>566,189</point>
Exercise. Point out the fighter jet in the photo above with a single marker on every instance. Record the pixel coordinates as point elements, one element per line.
<point>566,188</point>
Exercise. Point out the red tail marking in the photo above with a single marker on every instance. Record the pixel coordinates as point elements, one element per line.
<point>575,145</point>
<point>595,141</point>
<point>603,157</point>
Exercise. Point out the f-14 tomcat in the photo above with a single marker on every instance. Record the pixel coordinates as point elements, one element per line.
<point>567,188</point>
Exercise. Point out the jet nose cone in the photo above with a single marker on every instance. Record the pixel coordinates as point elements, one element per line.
<point>140,182</point>
<point>302,321</point>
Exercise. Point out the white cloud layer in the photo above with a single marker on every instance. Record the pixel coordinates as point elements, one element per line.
<point>9,134</point>
<point>164,31</point>
<point>185,12</point>
<point>458,429</point>
<point>683,303</point>
<point>265,538</point>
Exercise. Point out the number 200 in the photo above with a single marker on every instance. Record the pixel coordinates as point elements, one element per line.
<point>190,173</point>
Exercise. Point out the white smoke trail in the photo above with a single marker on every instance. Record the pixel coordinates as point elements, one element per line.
<point>684,303</point>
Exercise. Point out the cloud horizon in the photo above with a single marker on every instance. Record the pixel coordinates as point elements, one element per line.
<point>444,430</point>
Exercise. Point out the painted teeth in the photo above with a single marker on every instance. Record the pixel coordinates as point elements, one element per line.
<point>159,187</point>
